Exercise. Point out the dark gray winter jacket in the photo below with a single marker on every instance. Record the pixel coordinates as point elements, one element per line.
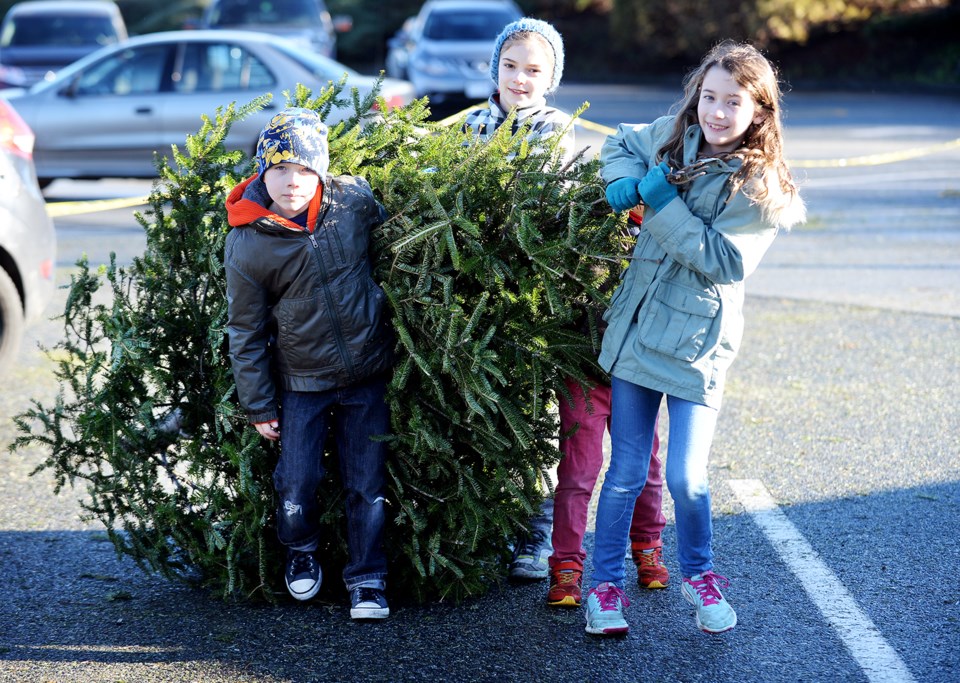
<point>304,311</point>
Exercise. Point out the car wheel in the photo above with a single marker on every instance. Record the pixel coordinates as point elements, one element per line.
<point>11,320</point>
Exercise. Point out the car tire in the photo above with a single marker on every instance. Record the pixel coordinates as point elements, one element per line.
<point>11,321</point>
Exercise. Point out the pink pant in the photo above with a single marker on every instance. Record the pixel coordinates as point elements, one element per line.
<point>578,471</point>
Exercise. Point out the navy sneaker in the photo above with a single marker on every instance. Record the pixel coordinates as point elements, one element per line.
<point>303,574</point>
<point>368,603</point>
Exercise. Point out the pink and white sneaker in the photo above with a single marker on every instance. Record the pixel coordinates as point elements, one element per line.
<point>714,613</point>
<point>605,605</point>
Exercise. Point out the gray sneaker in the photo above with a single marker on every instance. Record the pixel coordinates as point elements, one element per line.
<point>531,556</point>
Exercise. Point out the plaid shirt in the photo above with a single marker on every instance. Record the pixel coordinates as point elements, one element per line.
<point>545,122</point>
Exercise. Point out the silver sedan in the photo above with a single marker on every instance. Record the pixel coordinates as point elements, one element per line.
<point>105,115</point>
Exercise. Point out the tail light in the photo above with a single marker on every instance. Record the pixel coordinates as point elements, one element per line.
<point>393,102</point>
<point>15,134</point>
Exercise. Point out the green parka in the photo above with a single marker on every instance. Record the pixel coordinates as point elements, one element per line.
<point>676,320</point>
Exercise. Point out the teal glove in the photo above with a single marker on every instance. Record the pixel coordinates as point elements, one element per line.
<point>622,193</point>
<point>655,190</point>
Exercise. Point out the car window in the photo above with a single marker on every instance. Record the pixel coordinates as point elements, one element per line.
<point>244,12</point>
<point>324,68</point>
<point>467,25</point>
<point>210,67</point>
<point>128,72</point>
<point>58,30</point>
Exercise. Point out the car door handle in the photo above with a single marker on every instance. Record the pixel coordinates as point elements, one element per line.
<point>143,110</point>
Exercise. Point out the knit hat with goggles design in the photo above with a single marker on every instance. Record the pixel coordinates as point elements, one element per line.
<point>295,135</point>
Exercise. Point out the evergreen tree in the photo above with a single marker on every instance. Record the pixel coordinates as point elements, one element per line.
<point>490,252</point>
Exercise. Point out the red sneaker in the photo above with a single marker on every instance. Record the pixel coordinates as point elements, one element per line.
<point>651,571</point>
<point>566,584</point>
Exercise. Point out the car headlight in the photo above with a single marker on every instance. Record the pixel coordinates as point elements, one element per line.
<point>12,76</point>
<point>432,65</point>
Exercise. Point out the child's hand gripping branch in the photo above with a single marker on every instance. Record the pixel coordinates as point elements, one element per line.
<point>269,430</point>
<point>655,190</point>
<point>622,194</point>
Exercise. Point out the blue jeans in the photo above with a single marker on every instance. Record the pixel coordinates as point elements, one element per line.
<point>356,413</point>
<point>633,423</point>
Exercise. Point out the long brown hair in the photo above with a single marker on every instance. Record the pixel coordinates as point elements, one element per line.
<point>770,183</point>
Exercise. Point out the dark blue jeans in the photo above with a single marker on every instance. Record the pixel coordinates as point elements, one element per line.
<point>355,413</point>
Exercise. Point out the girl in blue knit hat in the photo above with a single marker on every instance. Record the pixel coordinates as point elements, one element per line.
<point>526,65</point>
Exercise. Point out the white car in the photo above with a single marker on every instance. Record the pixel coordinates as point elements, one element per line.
<point>27,239</point>
<point>105,115</point>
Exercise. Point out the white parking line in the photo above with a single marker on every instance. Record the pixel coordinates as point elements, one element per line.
<point>876,658</point>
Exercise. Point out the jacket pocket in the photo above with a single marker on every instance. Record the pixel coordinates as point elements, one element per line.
<point>305,338</point>
<point>678,321</point>
<point>377,312</point>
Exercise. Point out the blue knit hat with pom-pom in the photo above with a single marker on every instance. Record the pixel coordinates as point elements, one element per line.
<point>534,26</point>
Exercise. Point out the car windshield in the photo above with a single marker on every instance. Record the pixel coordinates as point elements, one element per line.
<point>466,25</point>
<point>324,68</point>
<point>266,13</point>
<point>58,30</point>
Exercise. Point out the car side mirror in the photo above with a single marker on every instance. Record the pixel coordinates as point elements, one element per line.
<point>70,89</point>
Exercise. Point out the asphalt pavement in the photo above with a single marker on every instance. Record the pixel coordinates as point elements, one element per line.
<point>840,409</point>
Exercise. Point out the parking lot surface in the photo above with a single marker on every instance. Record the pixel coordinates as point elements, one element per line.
<point>835,477</point>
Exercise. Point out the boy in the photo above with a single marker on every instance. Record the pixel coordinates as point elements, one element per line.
<point>310,345</point>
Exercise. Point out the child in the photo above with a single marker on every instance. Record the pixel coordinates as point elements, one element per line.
<point>310,345</point>
<point>576,477</point>
<point>526,65</point>
<point>676,320</point>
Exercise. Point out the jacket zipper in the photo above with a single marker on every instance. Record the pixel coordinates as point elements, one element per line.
<point>335,319</point>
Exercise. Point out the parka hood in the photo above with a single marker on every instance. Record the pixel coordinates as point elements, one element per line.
<point>247,203</point>
<point>780,209</point>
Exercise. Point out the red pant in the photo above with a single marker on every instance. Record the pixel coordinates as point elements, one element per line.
<point>578,471</point>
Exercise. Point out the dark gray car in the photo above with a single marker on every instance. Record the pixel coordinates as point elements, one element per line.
<point>445,51</point>
<point>304,23</point>
<point>39,37</point>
